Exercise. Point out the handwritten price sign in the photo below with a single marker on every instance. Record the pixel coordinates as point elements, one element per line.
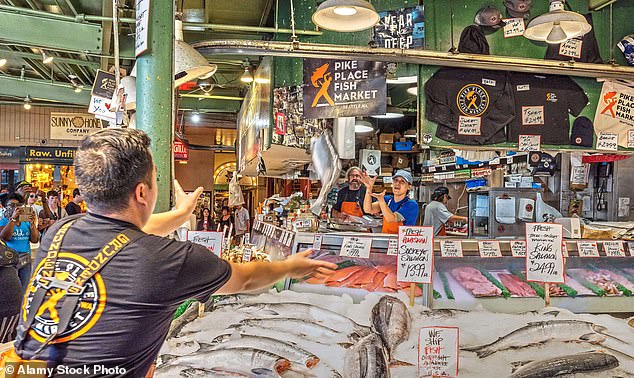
<point>530,142</point>
<point>438,351</point>
<point>587,249</point>
<point>544,260</point>
<point>614,248</point>
<point>211,240</point>
<point>518,248</point>
<point>607,142</point>
<point>489,248</point>
<point>451,248</point>
<point>353,246</point>
<point>392,247</point>
<point>514,27</point>
<point>415,254</point>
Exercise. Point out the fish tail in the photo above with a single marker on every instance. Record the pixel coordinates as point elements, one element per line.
<point>484,352</point>
<point>395,363</point>
<point>311,362</point>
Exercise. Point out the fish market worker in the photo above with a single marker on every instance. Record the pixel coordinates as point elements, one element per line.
<point>350,198</point>
<point>397,210</point>
<point>107,283</point>
<point>436,213</point>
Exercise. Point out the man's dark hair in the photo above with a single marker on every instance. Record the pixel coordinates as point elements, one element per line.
<point>76,192</point>
<point>226,208</point>
<point>14,196</point>
<point>52,193</point>
<point>109,164</point>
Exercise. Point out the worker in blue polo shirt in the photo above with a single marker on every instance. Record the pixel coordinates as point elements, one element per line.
<point>398,209</point>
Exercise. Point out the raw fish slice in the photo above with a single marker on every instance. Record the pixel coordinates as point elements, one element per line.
<point>342,274</point>
<point>315,280</point>
<point>349,279</point>
<point>417,291</point>
<point>367,277</point>
<point>377,282</point>
<point>387,269</point>
<point>390,282</point>
<point>516,286</point>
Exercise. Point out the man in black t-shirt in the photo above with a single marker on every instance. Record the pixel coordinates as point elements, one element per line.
<point>74,206</point>
<point>124,312</point>
<point>350,197</point>
<point>542,105</point>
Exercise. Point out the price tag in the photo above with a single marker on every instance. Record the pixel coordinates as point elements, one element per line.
<point>415,254</point>
<point>587,249</point>
<point>489,248</point>
<point>494,161</point>
<point>451,248</point>
<point>469,125</point>
<point>532,115</point>
<point>607,141</point>
<point>317,242</point>
<point>544,259</point>
<point>530,142</point>
<point>354,246</point>
<point>571,48</point>
<point>630,246</point>
<point>438,351</point>
<point>630,139</point>
<point>246,255</point>
<point>614,248</point>
<point>514,27</point>
<point>392,247</point>
<point>518,248</point>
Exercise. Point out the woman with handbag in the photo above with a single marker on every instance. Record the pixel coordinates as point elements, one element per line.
<point>17,232</point>
<point>11,293</point>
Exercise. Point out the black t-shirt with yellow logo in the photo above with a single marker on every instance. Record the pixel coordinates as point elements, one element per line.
<point>542,105</point>
<point>470,106</point>
<point>126,309</point>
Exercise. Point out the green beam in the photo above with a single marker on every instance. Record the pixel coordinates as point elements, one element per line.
<point>43,32</point>
<point>58,59</point>
<point>210,105</point>
<point>42,90</point>
<point>155,88</point>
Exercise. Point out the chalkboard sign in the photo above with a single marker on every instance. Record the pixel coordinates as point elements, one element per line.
<point>544,259</point>
<point>415,254</point>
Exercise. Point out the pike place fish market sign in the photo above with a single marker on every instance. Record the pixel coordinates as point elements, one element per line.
<point>50,155</point>
<point>344,88</point>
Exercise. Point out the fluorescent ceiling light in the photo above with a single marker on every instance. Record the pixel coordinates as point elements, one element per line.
<point>403,80</point>
<point>345,15</point>
<point>413,91</point>
<point>363,127</point>
<point>557,25</point>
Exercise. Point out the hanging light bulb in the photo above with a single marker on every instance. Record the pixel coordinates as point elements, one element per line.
<point>246,76</point>
<point>189,64</point>
<point>363,127</point>
<point>27,102</point>
<point>3,62</point>
<point>346,15</point>
<point>46,59</point>
<point>392,111</point>
<point>413,91</point>
<point>196,116</point>
<point>558,25</point>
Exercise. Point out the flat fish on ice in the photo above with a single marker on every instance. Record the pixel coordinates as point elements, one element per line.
<point>575,363</point>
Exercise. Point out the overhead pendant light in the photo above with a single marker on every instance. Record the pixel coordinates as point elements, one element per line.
<point>46,59</point>
<point>27,102</point>
<point>345,15</point>
<point>3,61</point>
<point>413,91</point>
<point>189,64</point>
<point>196,116</point>
<point>392,112</point>
<point>558,25</point>
<point>246,77</point>
<point>363,127</point>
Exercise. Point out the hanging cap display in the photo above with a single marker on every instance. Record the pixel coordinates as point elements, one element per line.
<point>518,8</point>
<point>582,132</point>
<point>489,16</point>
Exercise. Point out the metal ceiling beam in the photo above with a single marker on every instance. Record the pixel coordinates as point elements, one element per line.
<point>424,57</point>
<point>209,105</point>
<point>42,90</point>
<point>34,30</point>
<point>212,97</point>
<point>78,62</point>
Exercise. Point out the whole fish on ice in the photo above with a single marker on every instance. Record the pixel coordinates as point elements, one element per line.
<point>575,363</point>
<point>392,321</point>
<point>367,359</point>
<point>304,329</point>
<point>540,332</point>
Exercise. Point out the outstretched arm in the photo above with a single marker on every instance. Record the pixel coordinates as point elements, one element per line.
<point>162,224</point>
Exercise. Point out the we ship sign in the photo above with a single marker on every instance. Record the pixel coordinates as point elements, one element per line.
<point>343,88</point>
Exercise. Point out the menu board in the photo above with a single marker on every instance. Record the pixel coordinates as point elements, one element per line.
<point>438,351</point>
<point>415,254</point>
<point>544,259</point>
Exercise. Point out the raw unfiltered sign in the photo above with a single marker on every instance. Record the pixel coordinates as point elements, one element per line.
<point>401,29</point>
<point>211,240</point>
<point>544,259</point>
<point>438,352</point>
<point>415,254</point>
<point>343,88</point>
<point>73,126</point>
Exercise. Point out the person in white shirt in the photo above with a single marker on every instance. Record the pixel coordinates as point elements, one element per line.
<point>242,220</point>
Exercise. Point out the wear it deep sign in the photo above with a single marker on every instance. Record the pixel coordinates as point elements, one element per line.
<point>344,88</point>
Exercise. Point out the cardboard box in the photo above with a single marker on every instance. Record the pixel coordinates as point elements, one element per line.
<point>387,169</point>
<point>387,138</point>
<point>400,161</point>
<point>384,147</point>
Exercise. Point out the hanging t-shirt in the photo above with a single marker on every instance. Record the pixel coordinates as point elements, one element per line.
<point>470,106</point>
<point>21,235</point>
<point>542,105</point>
<point>126,309</point>
<point>615,112</point>
<point>583,49</point>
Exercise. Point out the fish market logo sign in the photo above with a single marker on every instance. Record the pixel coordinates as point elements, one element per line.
<point>472,100</point>
<point>343,88</point>
<point>89,309</point>
<point>73,126</point>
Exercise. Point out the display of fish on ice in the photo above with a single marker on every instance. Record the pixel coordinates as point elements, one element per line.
<point>559,366</point>
<point>392,322</point>
<point>368,358</point>
<point>541,332</point>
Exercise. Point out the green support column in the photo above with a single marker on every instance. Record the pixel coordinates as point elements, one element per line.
<point>154,82</point>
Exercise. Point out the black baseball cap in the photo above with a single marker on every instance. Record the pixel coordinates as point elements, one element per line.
<point>489,16</point>
<point>582,132</point>
<point>441,190</point>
